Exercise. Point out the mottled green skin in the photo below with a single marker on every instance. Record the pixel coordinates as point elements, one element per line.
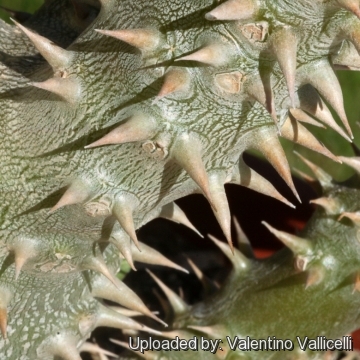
<point>42,141</point>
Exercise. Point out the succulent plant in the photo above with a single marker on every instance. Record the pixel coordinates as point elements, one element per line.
<point>112,110</point>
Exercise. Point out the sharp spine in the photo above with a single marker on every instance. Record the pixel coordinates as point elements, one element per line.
<point>23,251</point>
<point>178,305</point>
<point>296,244</point>
<point>294,131</point>
<point>353,162</point>
<point>302,116</point>
<point>221,209</point>
<point>315,277</point>
<point>353,216</point>
<point>245,176</point>
<point>68,89</point>
<point>97,264</point>
<point>356,283</point>
<point>151,256</point>
<point>243,241</point>
<point>76,193</point>
<point>311,102</point>
<point>174,213</point>
<point>143,39</point>
<point>110,318</point>
<point>263,94</point>
<point>3,322</point>
<point>208,285</point>
<point>122,295</point>
<point>234,10</point>
<point>267,142</point>
<point>123,208</point>
<point>323,177</point>
<point>122,242</point>
<point>213,55</point>
<point>284,46</point>
<point>58,58</point>
<point>330,205</point>
<point>176,80</point>
<point>137,128</point>
<point>322,77</point>
<point>186,151</point>
<point>239,261</point>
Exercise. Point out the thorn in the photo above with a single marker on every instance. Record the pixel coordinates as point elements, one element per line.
<point>296,244</point>
<point>350,5</point>
<point>95,349</point>
<point>110,318</point>
<point>356,283</point>
<point>353,216</point>
<point>127,312</point>
<point>57,57</point>
<point>314,184</point>
<point>123,243</point>
<point>66,88</point>
<point>98,265</point>
<point>186,152</point>
<point>176,80</point>
<point>315,277</point>
<point>121,294</point>
<point>243,241</point>
<point>353,162</point>
<point>294,131</point>
<point>311,102</point>
<point>3,322</point>
<point>151,256</point>
<point>302,116</point>
<point>123,208</point>
<point>284,45</point>
<point>143,39</point>
<point>76,193</point>
<point>267,142</point>
<point>213,55</point>
<point>138,128</point>
<point>177,303</point>
<point>305,176</point>
<point>323,177</point>
<point>256,89</point>
<point>23,251</point>
<point>330,205</point>
<point>322,77</point>
<point>164,304</point>
<point>239,261</point>
<point>234,10</point>
<point>245,176</point>
<point>174,213</point>
<point>209,286</point>
<point>221,209</point>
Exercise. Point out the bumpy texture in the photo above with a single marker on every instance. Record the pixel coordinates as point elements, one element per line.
<point>130,106</point>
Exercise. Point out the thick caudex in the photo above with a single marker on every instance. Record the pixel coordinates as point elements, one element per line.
<point>112,110</point>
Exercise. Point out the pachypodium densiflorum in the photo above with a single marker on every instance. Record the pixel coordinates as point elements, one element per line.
<point>112,110</point>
